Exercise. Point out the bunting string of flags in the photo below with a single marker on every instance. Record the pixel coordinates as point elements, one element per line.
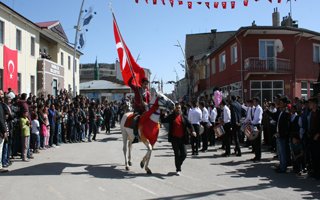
<point>208,4</point>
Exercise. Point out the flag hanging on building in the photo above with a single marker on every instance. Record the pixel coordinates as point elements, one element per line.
<point>10,69</point>
<point>128,65</point>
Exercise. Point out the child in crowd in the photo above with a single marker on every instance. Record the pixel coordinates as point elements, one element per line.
<point>35,129</point>
<point>297,154</point>
<point>44,128</point>
<point>25,136</point>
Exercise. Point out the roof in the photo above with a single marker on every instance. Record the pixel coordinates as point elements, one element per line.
<point>54,26</point>
<point>102,85</point>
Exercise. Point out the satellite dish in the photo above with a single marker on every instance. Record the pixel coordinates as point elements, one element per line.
<point>279,46</point>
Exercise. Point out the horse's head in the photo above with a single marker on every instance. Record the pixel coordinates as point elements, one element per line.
<point>163,101</point>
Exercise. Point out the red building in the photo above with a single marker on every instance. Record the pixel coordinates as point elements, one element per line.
<point>260,61</point>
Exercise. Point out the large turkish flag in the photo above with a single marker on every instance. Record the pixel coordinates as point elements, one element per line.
<point>10,69</point>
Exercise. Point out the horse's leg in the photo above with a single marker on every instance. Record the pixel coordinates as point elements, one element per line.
<point>129,153</point>
<point>125,141</point>
<point>148,156</point>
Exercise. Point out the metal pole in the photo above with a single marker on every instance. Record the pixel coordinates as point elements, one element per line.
<point>75,48</point>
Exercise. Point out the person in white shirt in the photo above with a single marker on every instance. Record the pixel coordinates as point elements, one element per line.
<point>226,120</point>
<point>195,117</point>
<point>212,118</point>
<point>256,121</point>
<point>35,129</point>
<point>206,124</point>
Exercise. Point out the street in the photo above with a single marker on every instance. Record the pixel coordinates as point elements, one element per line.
<point>96,171</point>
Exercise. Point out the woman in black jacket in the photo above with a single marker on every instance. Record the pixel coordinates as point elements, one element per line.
<point>179,131</point>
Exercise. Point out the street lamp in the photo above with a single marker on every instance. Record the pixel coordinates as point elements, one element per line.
<point>186,68</point>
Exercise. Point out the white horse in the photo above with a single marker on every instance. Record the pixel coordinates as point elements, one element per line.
<point>148,128</point>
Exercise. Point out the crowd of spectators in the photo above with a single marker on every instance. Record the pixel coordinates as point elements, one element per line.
<point>30,124</point>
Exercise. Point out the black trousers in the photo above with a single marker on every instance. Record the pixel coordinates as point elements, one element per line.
<point>211,135</point>
<point>195,140</point>
<point>256,144</point>
<point>180,152</point>
<point>227,137</point>
<point>236,135</point>
<point>204,136</point>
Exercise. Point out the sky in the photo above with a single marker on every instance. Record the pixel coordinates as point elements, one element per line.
<point>152,31</point>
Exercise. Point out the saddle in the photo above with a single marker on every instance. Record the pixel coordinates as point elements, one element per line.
<point>132,121</point>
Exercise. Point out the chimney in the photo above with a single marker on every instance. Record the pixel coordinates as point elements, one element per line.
<point>275,17</point>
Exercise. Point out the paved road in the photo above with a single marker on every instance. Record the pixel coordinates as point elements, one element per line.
<point>91,171</point>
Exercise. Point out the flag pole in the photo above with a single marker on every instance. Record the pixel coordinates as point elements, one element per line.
<point>124,48</point>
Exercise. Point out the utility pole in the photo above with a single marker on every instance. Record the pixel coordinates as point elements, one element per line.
<point>78,28</point>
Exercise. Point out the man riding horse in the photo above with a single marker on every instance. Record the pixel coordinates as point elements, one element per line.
<point>141,101</point>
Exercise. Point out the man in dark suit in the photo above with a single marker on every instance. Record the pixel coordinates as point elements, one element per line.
<point>282,118</point>
<point>179,129</point>
<point>235,109</point>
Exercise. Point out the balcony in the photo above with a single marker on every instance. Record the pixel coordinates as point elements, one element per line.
<point>266,66</point>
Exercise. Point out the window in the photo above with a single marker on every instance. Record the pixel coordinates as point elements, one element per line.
<point>304,89</point>
<point>207,75</point>
<point>18,40</point>
<point>61,57</point>
<point>69,62</point>
<point>222,62</point>
<point>33,43</point>
<point>213,65</point>
<point>266,49</point>
<point>32,84</point>
<point>311,89</point>
<point>1,32</point>
<point>234,54</point>
<point>316,53</point>
<point>55,87</point>
<point>266,90</point>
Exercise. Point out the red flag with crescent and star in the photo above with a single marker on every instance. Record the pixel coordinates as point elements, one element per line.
<point>128,65</point>
<point>10,69</point>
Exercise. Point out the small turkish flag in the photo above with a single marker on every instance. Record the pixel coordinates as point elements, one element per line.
<point>208,5</point>
<point>171,2</point>
<point>224,5</point>
<point>164,3</point>
<point>216,4</point>
<point>245,2</point>
<point>233,4</point>
<point>137,1</point>
<point>189,4</point>
<point>270,1</point>
<point>154,2</point>
<point>180,2</point>
<point>199,2</point>
<point>147,1</point>
<point>279,1</point>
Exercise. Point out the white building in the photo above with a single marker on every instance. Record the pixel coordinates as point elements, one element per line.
<point>47,70</point>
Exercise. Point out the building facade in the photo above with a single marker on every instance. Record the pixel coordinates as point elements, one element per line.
<point>45,59</point>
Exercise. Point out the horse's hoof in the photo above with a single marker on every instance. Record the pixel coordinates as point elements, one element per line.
<point>130,163</point>
<point>127,168</point>
<point>149,171</point>
<point>141,164</point>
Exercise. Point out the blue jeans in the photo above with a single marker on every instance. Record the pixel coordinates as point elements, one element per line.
<point>5,158</point>
<point>282,144</point>
<point>36,141</point>
<point>58,133</point>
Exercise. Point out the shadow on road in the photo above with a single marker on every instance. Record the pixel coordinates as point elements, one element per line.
<point>108,171</point>
<point>265,172</point>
